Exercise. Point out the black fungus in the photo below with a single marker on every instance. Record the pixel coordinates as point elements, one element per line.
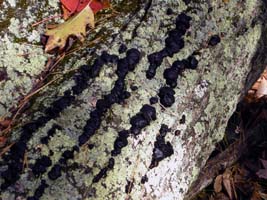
<point>155,60</point>
<point>126,95</point>
<point>169,11</point>
<point>139,121</point>
<point>173,45</point>
<point>129,187</point>
<point>151,72</point>
<point>124,133</point>
<point>142,119</point>
<point>144,179</point>
<point>102,105</point>
<point>107,58</point>
<point>40,190</point>
<point>166,95</point>
<point>133,56</point>
<point>175,34</point>
<point>192,62</point>
<point>115,152</point>
<point>120,142</point>
<point>153,100</point>
<point>149,112</point>
<point>163,130</point>
<point>84,69</point>
<point>214,40</point>
<point>32,198</point>
<point>41,165</point>
<point>68,154</point>
<point>101,174</point>
<point>122,68</point>
<point>182,120</point>
<point>122,48</point>
<point>91,146</point>
<point>83,139</point>
<point>111,163</point>
<point>161,150</point>
<point>187,2</point>
<point>134,87</point>
<point>55,172</point>
<point>171,75</point>
<point>183,19</point>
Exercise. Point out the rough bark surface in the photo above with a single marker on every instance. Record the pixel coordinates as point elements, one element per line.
<point>204,100</point>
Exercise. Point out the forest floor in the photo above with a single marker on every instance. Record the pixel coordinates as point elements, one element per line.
<point>241,156</point>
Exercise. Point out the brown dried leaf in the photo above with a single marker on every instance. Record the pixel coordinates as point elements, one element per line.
<point>227,183</point>
<point>263,195</point>
<point>75,26</point>
<point>262,88</point>
<point>218,184</point>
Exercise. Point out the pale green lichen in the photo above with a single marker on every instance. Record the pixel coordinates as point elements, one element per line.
<point>20,62</point>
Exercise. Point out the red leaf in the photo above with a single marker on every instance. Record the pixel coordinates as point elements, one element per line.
<point>77,5</point>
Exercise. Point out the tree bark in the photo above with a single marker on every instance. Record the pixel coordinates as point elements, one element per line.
<point>205,98</point>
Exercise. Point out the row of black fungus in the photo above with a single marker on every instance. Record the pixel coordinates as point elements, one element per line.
<point>147,113</point>
<point>139,121</point>
<point>173,44</point>
<point>171,74</point>
<point>117,95</point>
<point>15,157</point>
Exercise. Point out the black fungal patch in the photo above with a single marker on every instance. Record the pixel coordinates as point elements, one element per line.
<point>142,119</point>
<point>41,165</point>
<point>169,11</point>
<point>144,179</point>
<point>187,2</point>
<point>122,48</point>
<point>166,95</point>
<point>101,174</point>
<point>161,149</point>
<point>192,62</point>
<point>55,172</point>
<point>120,142</point>
<point>153,100</point>
<point>134,87</point>
<point>214,40</point>
<point>174,42</point>
<point>171,74</point>
<point>39,191</point>
<point>129,186</point>
<point>182,120</point>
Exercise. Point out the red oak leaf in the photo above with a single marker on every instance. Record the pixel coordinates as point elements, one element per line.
<point>77,5</point>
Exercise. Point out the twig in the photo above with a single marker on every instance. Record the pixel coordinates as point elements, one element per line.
<point>46,19</point>
<point>6,149</point>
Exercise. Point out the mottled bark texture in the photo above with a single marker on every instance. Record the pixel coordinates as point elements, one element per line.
<point>94,135</point>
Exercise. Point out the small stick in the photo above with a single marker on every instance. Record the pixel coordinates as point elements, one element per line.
<point>46,19</point>
<point>6,149</point>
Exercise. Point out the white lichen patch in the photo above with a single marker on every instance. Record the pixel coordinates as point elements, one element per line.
<point>12,3</point>
<point>20,62</point>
